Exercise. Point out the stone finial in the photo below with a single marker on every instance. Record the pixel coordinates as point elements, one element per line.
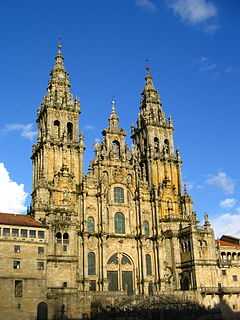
<point>206,220</point>
<point>113,105</point>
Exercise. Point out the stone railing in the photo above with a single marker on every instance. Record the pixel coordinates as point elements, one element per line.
<point>219,290</point>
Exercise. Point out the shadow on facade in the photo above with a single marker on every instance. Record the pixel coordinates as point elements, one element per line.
<point>227,312</point>
<point>157,308</point>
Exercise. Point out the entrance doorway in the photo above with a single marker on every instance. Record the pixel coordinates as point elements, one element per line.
<point>120,273</point>
<point>42,311</point>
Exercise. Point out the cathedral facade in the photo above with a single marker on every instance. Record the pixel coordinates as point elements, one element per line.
<point>126,228</point>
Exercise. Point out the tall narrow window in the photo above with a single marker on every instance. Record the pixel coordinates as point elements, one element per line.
<point>90,225</point>
<point>18,288</point>
<point>118,195</point>
<point>148,265</point>
<point>69,131</point>
<point>119,221</point>
<point>146,228</point>
<point>156,145</point>
<point>6,232</point>
<point>59,237</point>
<point>56,126</point>
<point>91,263</point>
<point>166,146</point>
<point>65,238</point>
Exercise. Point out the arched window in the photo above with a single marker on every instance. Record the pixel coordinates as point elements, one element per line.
<point>148,265</point>
<point>118,195</point>
<point>125,260</point>
<point>166,146</point>
<point>69,131</point>
<point>113,259</point>
<point>90,225</point>
<point>156,144</point>
<point>223,255</point>
<point>116,149</point>
<point>65,238</point>
<point>146,228</point>
<point>56,126</point>
<point>59,237</point>
<point>91,263</point>
<point>119,221</point>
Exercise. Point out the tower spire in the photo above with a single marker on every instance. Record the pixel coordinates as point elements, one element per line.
<point>59,86</point>
<point>113,118</point>
<point>151,107</point>
<point>149,86</point>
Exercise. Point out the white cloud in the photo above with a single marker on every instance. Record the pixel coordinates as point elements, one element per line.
<point>222,181</point>
<point>13,196</point>
<point>147,4</point>
<point>227,223</point>
<point>228,203</point>
<point>89,127</point>
<point>26,130</point>
<point>206,65</point>
<point>193,11</point>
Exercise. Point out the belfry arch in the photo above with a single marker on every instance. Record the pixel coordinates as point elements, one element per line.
<point>121,273</point>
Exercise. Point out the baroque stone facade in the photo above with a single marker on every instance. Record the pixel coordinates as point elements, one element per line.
<point>127,227</point>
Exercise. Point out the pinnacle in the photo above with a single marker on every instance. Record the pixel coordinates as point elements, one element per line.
<point>149,80</point>
<point>59,80</point>
<point>113,119</point>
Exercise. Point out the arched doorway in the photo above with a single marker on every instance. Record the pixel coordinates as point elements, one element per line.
<point>42,311</point>
<point>120,273</point>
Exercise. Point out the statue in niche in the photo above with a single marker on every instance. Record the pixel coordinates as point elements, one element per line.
<point>168,275</point>
<point>65,197</point>
<point>129,179</point>
<point>116,149</point>
<point>105,177</point>
<point>104,151</point>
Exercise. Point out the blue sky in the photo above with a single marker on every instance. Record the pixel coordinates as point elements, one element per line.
<point>193,47</point>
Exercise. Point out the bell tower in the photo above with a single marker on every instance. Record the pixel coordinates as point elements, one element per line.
<point>57,160</point>
<point>160,163</point>
<point>58,154</point>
